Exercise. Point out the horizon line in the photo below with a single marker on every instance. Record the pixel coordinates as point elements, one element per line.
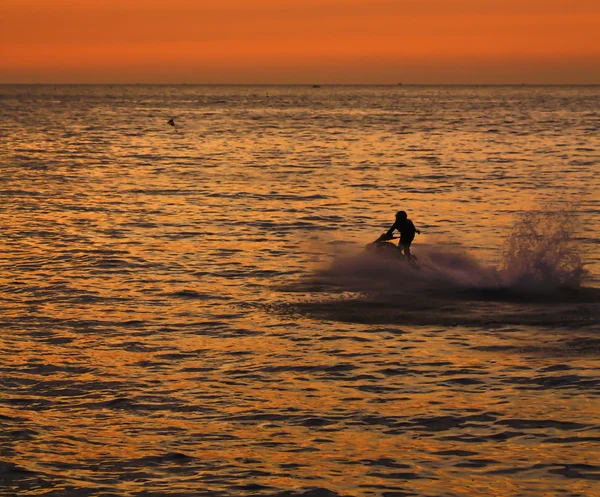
<point>313,85</point>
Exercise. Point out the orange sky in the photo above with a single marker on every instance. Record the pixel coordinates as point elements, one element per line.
<point>300,41</point>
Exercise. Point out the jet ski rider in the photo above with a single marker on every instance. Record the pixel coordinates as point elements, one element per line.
<point>407,231</point>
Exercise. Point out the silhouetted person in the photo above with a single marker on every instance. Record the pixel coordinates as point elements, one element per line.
<point>171,122</point>
<point>407,231</point>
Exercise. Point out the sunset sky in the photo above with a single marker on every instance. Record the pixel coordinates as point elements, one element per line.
<point>300,41</point>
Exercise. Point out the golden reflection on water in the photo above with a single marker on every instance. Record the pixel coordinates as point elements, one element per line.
<point>151,342</point>
<point>319,446</point>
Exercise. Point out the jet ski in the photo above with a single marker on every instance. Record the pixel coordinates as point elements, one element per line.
<point>384,248</point>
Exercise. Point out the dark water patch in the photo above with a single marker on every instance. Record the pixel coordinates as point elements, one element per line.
<point>10,470</point>
<point>74,388</point>
<point>168,458</point>
<point>394,476</point>
<point>260,417</point>
<point>581,345</point>
<point>292,465</point>
<point>475,463</point>
<point>32,403</point>
<point>312,368</point>
<point>362,377</point>
<point>563,295</point>
<point>351,338</point>
<point>576,471</point>
<point>542,424</point>
<point>314,492</point>
<point>373,420</point>
<point>150,468</point>
<point>299,450</point>
<point>205,369</point>
<point>401,371</point>
<point>66,490</point>
<point>432,311</point>
<point>378,389</point>
<point>140,347</point>
<point>88,326</point>
<point>456,452</point>
<point>558,382</point>
<point>472,371</point>
<point>571,440</point>
<point>396,493</point>
<point>4,419</point>
<point>465,439</point>
<point>16,480</point>
<point>556,367</point>
<point>239,332</point>
<point>43,369</point>
<point>271,196</point>
<point>329,219</point>
<point>247,376</point>
<point>463,381</point>
<point>434,177</point>
<point>117,403</point>
<point>316,422</point>
<point>60,340</point>
<point>385,462</point>
<point>152,365</point>
<point>292,419</point>
<point>577,347</point>
<point>443,423</point>
<point>239,353</point>
<point>252,487</point>
<point>506,435</point>
<point>24,434</point>
<point>195,295</point>
<point>287,227</point>
<point>147,404</point>
<point>216,437</point>
<point>175,356</point>
<point>266,273</point>
<point>114,262</point>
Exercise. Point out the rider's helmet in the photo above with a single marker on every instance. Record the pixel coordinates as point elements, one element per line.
<point>401,215</point>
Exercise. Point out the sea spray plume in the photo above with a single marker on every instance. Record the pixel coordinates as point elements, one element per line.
<point>538,284</point>
<point>541,256</point>
<point>541,253</point>
<point>438,269</point>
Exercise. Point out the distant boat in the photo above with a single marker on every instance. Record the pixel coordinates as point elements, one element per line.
<point>316,86</point>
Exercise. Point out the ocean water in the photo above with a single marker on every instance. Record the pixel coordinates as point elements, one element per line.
<point>192,310</point>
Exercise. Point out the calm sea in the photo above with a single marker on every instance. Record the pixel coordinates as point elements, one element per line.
<point>190,310</point>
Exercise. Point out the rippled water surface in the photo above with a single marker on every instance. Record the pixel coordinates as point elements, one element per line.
<point>191,310</point>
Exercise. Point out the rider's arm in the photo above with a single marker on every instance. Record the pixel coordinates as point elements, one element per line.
<point>388,235</point>
<point>415,229</point>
